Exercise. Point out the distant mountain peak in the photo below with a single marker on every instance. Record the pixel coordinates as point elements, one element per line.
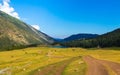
<point>80,36</point>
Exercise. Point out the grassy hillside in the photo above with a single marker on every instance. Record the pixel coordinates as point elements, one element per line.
<point>17,34</point>
<point>38,59</point>
<point>111,39</point>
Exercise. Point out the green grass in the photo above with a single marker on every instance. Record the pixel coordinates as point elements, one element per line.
<point>27,61</point>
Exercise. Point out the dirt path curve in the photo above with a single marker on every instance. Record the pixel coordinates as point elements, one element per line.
<point>98,67</point>
<point>55,69</point>
<point>94,67</point>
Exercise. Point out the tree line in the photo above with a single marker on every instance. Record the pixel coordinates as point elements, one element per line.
<point>111,39</point>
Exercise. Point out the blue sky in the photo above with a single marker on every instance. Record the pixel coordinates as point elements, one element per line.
<point>61,18</point>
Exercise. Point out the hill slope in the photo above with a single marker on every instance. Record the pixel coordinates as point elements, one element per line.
<point>17,34</point>
<point>111,39</point>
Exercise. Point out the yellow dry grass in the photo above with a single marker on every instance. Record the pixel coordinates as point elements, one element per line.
<point>26,61</point>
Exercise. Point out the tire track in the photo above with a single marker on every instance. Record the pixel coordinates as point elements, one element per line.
<point>56,69</point>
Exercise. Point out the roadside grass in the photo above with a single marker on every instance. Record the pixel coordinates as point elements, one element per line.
<point>26,61</point>
<point>77,67</point>
<point>110,55</point>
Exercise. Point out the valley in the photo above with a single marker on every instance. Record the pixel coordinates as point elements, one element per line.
<point>59,37</point>
<point>58,61</point>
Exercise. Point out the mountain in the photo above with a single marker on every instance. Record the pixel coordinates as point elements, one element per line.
<point>79,36</point>
<point>110,39</point>
<point>17,34</point>
<point>58,39</point>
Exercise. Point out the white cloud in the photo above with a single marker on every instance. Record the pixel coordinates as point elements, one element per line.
<point>36,27</point>
<point>8,9</point>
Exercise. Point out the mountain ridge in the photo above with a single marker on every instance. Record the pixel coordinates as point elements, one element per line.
<point>80,36</point>
<point>16,34</point>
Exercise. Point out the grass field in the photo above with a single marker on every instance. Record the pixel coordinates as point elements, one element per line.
<point>68,60</point>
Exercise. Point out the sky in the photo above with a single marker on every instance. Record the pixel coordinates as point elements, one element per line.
<point>62,18</point>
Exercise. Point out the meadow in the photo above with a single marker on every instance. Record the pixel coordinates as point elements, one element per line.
<point>38,60</point>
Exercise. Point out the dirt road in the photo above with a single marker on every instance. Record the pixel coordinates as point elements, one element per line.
<point>94,67</point>
<point>55,69</point>
<point>100,67</point>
